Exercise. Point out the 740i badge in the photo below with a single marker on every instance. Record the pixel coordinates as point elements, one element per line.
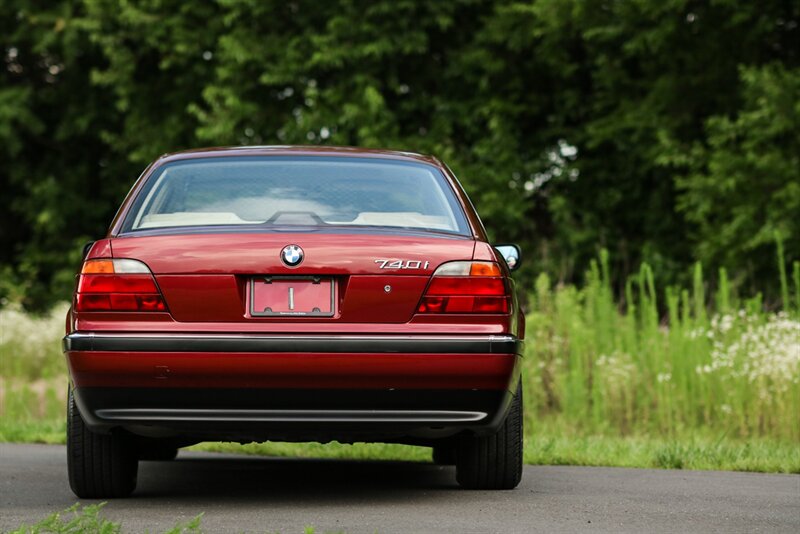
<point>402,264</point>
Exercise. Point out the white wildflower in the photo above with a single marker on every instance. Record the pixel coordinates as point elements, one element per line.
<point>766,354</point>
<point>29,341</point>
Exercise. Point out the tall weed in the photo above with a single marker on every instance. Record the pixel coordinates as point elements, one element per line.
<point>30,345</point>
<point>599,366</point>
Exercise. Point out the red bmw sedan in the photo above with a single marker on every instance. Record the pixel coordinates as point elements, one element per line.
<point>294,294</point>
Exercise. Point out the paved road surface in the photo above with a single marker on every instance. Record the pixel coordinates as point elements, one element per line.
<point>239,493</point>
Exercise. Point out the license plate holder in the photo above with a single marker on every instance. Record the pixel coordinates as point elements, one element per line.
<point>292,296</point>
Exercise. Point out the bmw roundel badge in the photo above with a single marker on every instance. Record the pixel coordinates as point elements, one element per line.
<point>292,255</point>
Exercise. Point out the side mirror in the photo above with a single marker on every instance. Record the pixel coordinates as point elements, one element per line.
<point>511,254</point>
<point>86,248</point>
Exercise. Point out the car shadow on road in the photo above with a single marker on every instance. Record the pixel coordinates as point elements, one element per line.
<point>237,479</point>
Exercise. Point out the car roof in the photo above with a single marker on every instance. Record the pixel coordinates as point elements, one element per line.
<point>297,150</point>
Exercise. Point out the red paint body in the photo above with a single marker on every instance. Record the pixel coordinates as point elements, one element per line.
<point>309,371</point>
<point>204,278</point>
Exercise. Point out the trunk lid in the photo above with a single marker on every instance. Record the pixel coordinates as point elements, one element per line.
<point>375,277</point>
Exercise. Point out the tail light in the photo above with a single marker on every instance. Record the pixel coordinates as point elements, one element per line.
<point>117,285</point>
<point>466,287</point>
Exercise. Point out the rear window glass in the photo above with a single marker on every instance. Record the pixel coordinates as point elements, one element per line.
<point>291,191</point>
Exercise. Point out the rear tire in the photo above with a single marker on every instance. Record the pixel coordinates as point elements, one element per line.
<point>100,466</point>
<point>493,462</point>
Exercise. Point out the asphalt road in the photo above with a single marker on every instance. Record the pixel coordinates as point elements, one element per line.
<point>239,493</point>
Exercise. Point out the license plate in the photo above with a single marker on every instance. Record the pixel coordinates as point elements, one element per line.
<point>291,295</point>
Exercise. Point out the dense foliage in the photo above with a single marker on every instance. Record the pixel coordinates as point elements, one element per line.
<point>662,130</point>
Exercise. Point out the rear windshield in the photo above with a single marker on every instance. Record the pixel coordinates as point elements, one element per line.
<point>294,191</point>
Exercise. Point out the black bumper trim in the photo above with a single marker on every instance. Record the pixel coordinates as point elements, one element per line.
<point>292,416</point>
<point>291,344</point>
<point>254,414</point>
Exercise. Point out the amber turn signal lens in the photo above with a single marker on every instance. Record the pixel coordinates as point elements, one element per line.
<point>484,269</point>
<point>98,267</point>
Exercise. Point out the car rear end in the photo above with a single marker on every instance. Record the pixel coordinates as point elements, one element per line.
<point>294,296</point>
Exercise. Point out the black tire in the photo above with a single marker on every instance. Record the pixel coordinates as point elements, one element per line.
<point>444,455</point>
<point>493,462</point>
<point>100,466</point>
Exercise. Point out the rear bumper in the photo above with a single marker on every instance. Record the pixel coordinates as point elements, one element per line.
<point>295,344</point>
<point>256,387</point>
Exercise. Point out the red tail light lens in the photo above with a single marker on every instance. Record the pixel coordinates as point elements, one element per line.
<point>460,285</point>
<point>117,285</point>
<point>466,287</point>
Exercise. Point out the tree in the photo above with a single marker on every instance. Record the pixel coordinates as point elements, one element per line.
<point>743,187</point>
<point>573,125</point>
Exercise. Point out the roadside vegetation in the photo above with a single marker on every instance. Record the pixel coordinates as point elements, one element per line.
<point>598,366</point>
<point>88,520</point>
<point>670,378</point>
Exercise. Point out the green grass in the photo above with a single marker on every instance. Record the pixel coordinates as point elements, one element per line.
<point>88,520</point>
<point>712,382</point>
<point>52,431</point>
<point>547,445</point>
<point>333,450</point>
<point>697,453</point>
<point>547,448</point>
